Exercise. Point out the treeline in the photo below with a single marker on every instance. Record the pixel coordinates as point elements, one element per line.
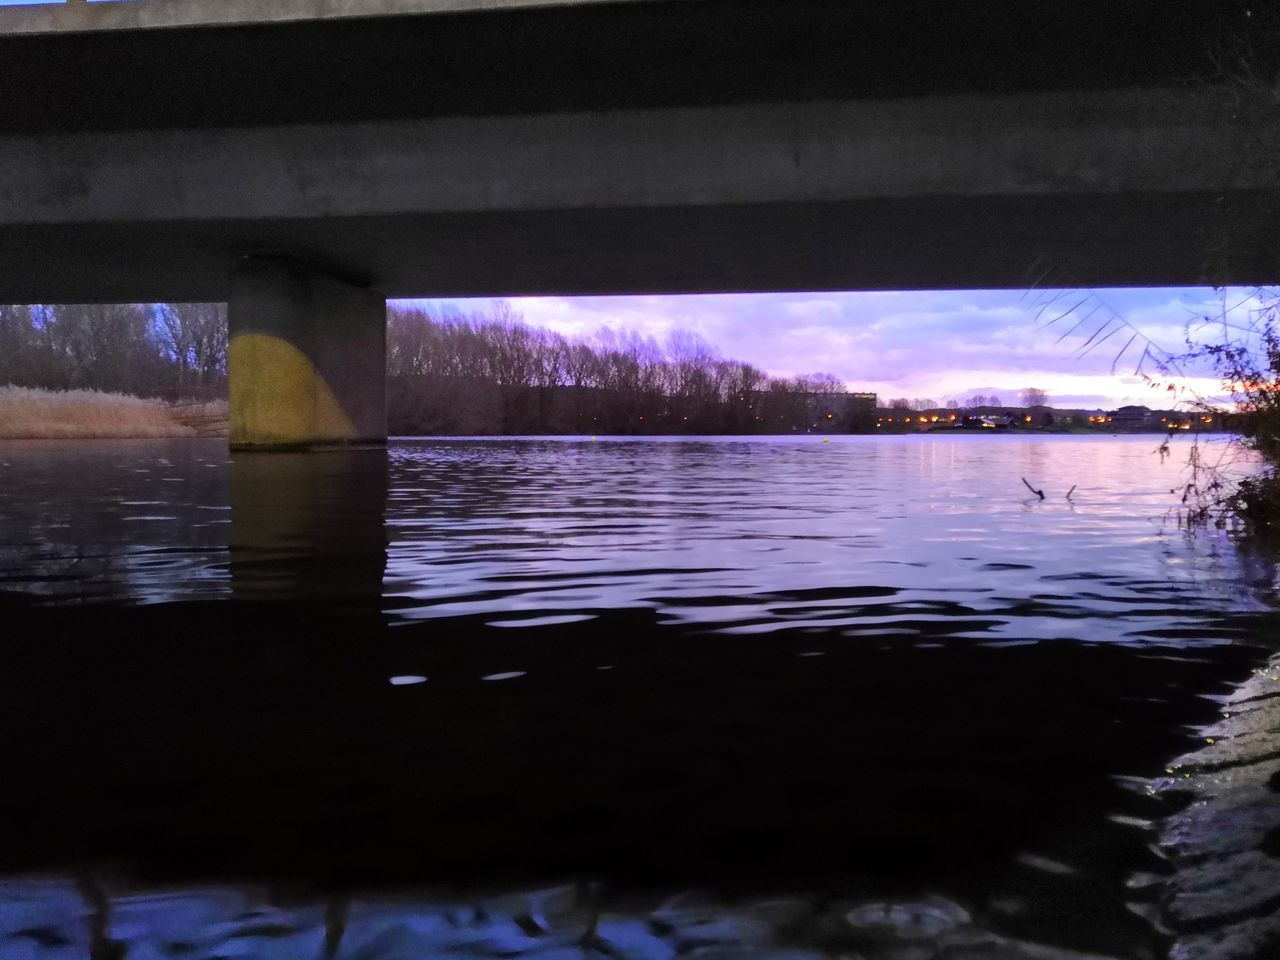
<point>171,350</point>
<point>490,373</point>
<point>482,373</point>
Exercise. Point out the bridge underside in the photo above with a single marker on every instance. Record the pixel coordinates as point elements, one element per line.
<point>1132,187</point>
<point>1136,239</point>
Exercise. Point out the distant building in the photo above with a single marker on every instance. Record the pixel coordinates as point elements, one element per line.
<point>1132,416</point>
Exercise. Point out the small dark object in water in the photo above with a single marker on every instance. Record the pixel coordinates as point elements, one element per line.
<point>1071,491</point>
<point>1038,493</point>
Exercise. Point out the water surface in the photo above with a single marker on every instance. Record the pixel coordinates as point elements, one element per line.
<point>856,667</point>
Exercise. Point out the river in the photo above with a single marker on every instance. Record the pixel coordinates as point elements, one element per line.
<point>826,667</point>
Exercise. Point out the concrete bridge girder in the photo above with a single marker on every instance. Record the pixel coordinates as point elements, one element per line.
<point>959,191</point>
<point>1023,145</point>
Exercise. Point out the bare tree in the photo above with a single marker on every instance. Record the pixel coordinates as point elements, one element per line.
<point>17,337</point>
<point>519,379</point>
<point>194,335</point>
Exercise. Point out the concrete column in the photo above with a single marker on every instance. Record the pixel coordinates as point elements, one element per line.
<point>306,363</point>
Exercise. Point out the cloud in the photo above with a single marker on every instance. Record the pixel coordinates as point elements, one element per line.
<point>938,344</point>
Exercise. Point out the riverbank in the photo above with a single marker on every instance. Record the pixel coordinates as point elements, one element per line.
<point>32,414</point>
<point>1222,900</point>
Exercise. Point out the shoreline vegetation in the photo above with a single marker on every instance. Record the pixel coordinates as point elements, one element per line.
<point>30,413</point>
<point>35,414</point>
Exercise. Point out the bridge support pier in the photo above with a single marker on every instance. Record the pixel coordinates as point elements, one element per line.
<point>306,361</point>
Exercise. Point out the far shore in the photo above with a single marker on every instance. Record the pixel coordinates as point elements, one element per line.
<point>37,414</point>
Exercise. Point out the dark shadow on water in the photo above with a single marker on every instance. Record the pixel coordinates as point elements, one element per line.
<point>309,527</point>
<point>261,740</point>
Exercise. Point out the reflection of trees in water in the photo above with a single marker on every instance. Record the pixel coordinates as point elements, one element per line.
<point>115,519</point>
<point>148,521</point>
<point>309,526</point>
<point>50,568</point>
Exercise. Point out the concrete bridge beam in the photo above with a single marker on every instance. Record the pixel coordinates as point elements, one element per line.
<point>306,362</point>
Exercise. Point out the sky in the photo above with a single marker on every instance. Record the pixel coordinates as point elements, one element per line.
<point>939,345</point>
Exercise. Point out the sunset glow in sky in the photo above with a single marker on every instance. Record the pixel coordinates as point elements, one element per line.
<point>941,345</point>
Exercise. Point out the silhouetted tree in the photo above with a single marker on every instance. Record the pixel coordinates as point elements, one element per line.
<point>1034,397</point>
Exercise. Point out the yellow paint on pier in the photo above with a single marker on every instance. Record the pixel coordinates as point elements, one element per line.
<point>278,397</point>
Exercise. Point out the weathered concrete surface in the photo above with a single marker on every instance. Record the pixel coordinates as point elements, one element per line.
<point>306,358</point>
<point>152,14</point>
<point>1138,186</point>
<point>1038,145</point>
<point>1223,899</point>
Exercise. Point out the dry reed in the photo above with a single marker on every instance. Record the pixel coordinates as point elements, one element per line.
<point>29,414</point>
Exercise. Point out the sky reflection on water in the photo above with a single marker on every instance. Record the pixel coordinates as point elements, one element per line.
<point>747,535</point>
